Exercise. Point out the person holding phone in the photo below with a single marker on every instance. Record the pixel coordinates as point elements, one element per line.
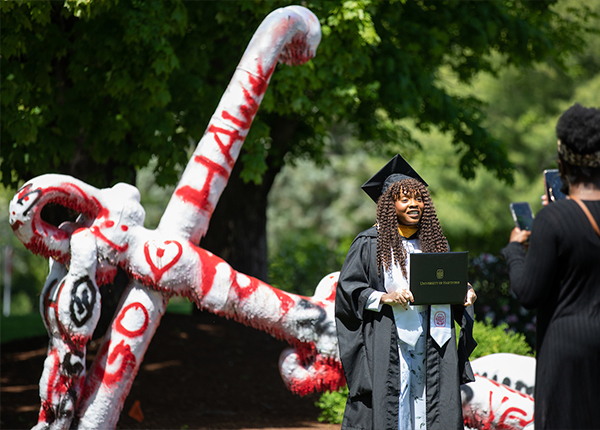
<point>559,276</point>
<point>403,370</point>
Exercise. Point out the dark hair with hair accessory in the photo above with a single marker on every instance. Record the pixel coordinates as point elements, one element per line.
<point>578,133</point>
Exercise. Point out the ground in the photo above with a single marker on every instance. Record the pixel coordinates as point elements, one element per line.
<point>200,372</point>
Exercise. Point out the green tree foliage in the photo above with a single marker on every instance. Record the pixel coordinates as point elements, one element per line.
<point>96,88</point>
<point>85,88</point>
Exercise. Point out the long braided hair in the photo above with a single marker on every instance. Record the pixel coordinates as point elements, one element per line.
<point>388,237</point>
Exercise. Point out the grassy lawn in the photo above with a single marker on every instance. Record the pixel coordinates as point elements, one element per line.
<point>21,327</point>
<point>25,326</point>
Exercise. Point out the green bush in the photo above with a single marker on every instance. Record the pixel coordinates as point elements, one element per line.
<point>490,340</point>
<point>332,406</point>
<point>496,304</point>
<point>495,339</point>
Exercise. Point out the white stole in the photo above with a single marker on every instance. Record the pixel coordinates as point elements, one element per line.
<point>408,321</point>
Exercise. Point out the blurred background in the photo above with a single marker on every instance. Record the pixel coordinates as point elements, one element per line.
<point>467,92</point>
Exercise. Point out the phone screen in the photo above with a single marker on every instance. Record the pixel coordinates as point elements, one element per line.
<point>553,185</point>
<point>522,215</point>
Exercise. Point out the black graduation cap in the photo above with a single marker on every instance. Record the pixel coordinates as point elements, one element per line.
<point>395,170</point>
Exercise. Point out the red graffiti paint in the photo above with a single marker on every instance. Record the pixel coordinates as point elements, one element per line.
<point>199,198</point>
<point>260,83</point>
<point>60,235</point>
<point>52,376</point>
<point>17,225</point>
<point>504,387</point>
<point>331,297</point>
<point>243,292</point>
<point>128,360</point>
<point>248,111</point>
<point>23,191</point>
<point>102,211</point>
<point>46,414</point>
<point>232,135</point>
<point>213,168</point>
<point>522,421</point>
<point>123,352</point>
<point>502,420</point>
<point>286,301</point>
<point>105,274</point>
<point>196,198</point>
<point>208,271</point>
<point>158,272</point>
<point>324,374</point>
<point>140,331</point>
<point>96,232</point>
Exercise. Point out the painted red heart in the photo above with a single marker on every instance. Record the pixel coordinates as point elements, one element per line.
<point>160,253</point>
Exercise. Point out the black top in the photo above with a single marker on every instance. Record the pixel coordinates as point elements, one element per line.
<point>559,275</point>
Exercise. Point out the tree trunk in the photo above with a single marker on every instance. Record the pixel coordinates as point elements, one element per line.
<point>238,227</point>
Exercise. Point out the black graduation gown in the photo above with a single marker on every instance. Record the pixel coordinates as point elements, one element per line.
<point>369,351</point>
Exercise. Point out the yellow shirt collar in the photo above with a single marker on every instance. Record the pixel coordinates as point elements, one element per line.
<point>407,230</point>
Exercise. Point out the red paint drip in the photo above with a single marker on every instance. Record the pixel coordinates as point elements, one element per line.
<point>323,374</point>
<point>39,247</point>
<point>105,275</point>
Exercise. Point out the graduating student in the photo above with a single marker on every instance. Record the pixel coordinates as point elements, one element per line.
<point>402,365</point>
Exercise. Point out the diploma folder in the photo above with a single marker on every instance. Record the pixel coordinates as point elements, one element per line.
<point>439,278</point>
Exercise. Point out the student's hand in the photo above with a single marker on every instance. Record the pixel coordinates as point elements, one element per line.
<point>470,297</point>
<point>518,235</point>
<point>398,297</point>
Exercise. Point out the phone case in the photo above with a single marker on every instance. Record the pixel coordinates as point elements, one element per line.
<point>522,215</point>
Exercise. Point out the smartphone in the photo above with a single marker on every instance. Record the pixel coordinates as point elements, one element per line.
<point>553,184</point>
<point>521,213</point>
